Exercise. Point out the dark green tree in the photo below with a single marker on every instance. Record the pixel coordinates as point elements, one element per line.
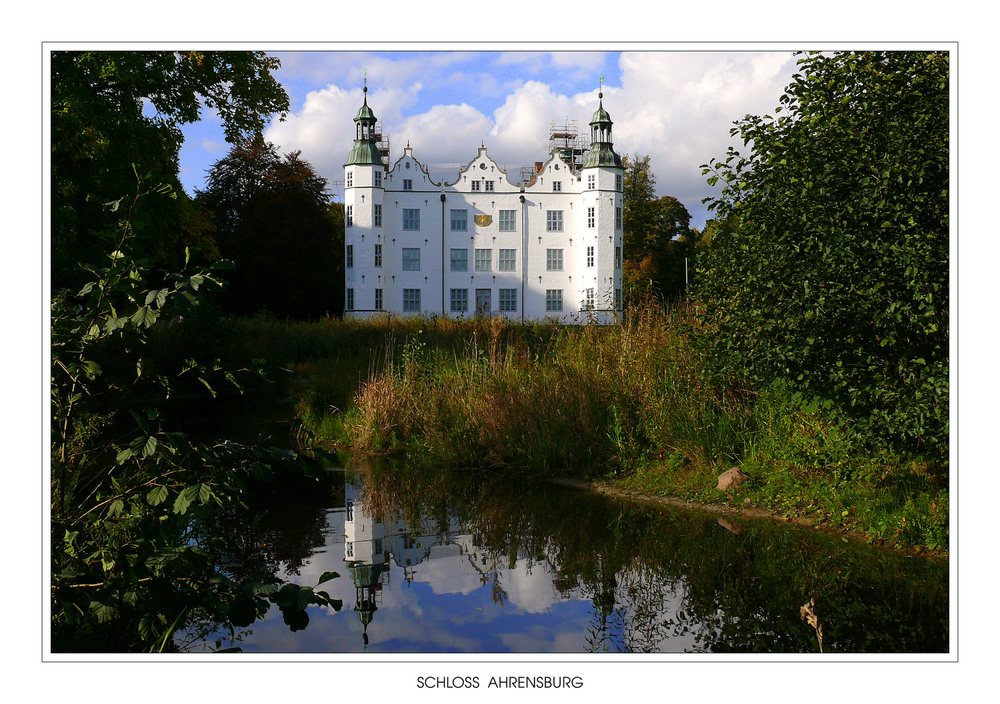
<point>112,109</point>
<point>657,236</point>
<point>835,275</point>
<point>272,219</point>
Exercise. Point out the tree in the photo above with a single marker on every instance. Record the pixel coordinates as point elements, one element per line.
<point>129,566</point>
<point>272,219</point>
<point>834,276</point>
<point>657,235</point>
<point>110,110</point>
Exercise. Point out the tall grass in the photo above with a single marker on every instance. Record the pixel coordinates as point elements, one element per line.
<point>574,399</point>
<point>635,401</point>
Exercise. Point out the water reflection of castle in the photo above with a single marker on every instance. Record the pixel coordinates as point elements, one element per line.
<point>370,544</point>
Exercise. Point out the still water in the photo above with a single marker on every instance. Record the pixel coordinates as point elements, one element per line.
<point>459,563</point>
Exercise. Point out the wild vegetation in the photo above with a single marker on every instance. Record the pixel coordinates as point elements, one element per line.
<point>814,354</point>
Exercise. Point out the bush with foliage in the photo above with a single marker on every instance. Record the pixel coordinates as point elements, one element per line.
<point>834,275</point>
<point>129,563</point>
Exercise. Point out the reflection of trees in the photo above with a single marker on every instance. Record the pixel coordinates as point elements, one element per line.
<point>655,574</point>
<point>279,530</point>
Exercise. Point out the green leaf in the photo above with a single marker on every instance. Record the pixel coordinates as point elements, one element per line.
<point>157,495</point>
<point>326,576</point>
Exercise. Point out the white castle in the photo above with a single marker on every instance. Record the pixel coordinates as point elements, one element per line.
<point>546,247</point>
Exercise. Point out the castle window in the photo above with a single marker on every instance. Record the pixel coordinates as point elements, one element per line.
<point>411,219</point>
<point>407,183</point>
<point>411,299</point>
<point>618,182</point>
<point>590,217</point>
<point>378,299</point>
<point>349,216</point>
<point>475,185</point>
<point>378,178</point>
<point>377,215</point>
<point>553,299</point>
<point>590,256</point>
<point>459,220</point>
<point>378,256</point>
<point>591,181</point>
<point>618,257</point>
<point>553,221</point>
<point>349,257</point>
<point>350,299</point>
<point>618,218</point>
<point>553,260</point>
<point>459,300</point>
<point>618,298</point>
<point>484,259</point>
<point>459,260</point>
<point>588,303</point>
<point>508,300</point>
<point>489,185</point>
<point>508,222</point>
<point>411,259</point>
<point>350,179</point>
<point>557,185</point>
<point>507,261</point>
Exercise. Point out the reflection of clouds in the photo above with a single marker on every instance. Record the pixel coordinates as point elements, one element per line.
<point>447,572</point>
<point>530,590</point>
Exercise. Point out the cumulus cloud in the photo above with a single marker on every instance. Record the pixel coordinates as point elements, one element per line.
<point>677,107</point>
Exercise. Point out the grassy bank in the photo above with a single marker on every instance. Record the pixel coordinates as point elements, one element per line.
<point>630,404</point>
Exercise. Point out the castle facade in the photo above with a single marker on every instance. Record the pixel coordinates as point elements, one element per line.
<point>545,246</point>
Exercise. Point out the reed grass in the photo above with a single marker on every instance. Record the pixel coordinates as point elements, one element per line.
<point>634,402</point>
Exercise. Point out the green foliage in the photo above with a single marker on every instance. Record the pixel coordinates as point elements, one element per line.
<point>272,218</point>
<point>657,239</point>
<point>130,565</point>
<point>112,109</point>
<point>832,271</point>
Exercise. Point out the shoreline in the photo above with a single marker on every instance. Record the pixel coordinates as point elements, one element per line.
<point>609,488</point>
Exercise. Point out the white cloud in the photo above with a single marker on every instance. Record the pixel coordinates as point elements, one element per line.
<point>677,107</point>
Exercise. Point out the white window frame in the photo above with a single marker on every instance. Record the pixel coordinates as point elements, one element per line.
<point>411,300</point>
<point>349,216</point>
<point>508,300</point>
<point>378,256</point>
<point>378,178</point>
<point>591,218</point>
<point>553,300</point>
<point>507,260</point>
<point>407,184</point>
<point>377,215</point>
<point>553,221</point>
<point>349,303</point>
<point>349,256</point>
<point>459,220</point>
<point>378,299</point>
<point>459,300</point>
<point>411,219</point>
<point>411,258</point>
<point>507,221</point>
<point>553,260</point>
<point>557,186</point>
<point>483,259</point>
<point>463,260</point>
<point>590,256</point>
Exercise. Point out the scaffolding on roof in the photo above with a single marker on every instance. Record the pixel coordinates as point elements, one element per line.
<point>566,140</point>
<point>382,141</point>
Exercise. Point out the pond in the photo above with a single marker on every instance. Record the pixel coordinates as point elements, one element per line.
<point>469,563</point>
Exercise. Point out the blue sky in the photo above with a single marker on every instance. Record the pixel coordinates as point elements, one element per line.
<point>676,106</point>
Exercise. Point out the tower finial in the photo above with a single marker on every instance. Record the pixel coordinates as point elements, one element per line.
<point>600,89</point>
<point>366,80</point>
